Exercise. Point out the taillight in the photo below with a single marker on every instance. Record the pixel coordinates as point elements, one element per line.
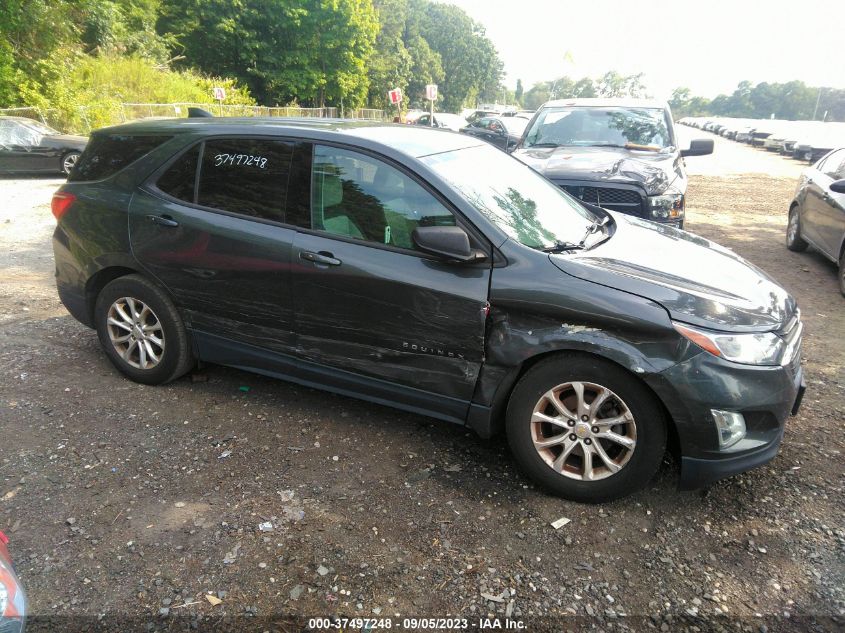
<point>61,203</point>
<point>3,538</point>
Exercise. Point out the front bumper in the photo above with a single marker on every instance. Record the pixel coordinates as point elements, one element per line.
<point>766,396</point>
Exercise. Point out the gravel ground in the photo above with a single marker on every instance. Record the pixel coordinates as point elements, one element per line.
<point>137,507</point>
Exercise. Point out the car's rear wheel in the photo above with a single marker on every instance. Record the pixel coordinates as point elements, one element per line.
<point>68,161</point>
<point>794,241</point>
<point>585,429</point>
<point>141,331</point>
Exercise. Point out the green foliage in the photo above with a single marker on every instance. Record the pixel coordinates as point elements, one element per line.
<point>792,100</point>
<point>87,92</point>
<point>561,88</point>
<point>315,51</point>
<point>421,42</point>
<point>472,66</point>
<point>121,27</point>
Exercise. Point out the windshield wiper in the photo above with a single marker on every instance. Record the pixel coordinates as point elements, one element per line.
<point>593,228</point>
<point>544,145</point>
<point>563,247</point>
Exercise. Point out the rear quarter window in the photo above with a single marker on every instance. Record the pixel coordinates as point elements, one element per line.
<point>107,154</point>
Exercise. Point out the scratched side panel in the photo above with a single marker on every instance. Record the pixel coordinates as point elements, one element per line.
<point>537,308</point>
<point>230,275</point>
<point>391,315</point>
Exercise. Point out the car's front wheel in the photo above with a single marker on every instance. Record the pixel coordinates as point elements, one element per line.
<point>585,429</point>
<point>842,273</point>
<point>141,331</point>
<point>794,241</point>
<point>68,161</point>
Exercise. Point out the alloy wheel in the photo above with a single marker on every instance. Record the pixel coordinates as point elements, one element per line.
<point>136,333</point>
<point>583,431</point>
<point>69,161</point>
<point>792,230</point>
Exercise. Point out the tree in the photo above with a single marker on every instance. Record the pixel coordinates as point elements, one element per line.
<point>613,84</point>
<point>391,63</point>
<point>471,65</point>
<point>518,93</point>
<point>312,50</point>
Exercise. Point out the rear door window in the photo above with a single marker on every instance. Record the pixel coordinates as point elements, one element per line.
<point>180,178</point>
<point>107,154</point>
<point>245,176</point>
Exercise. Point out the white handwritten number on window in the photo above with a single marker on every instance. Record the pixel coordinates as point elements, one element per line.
<point>247,160</point>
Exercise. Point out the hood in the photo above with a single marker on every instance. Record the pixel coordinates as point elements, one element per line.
<point>651,170</point>
<point>695,280</point>
<point>66,140</point>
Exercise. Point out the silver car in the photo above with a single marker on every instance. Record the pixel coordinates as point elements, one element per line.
<point>817,212</point>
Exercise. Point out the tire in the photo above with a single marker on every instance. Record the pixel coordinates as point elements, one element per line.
<point>166,351</point>
<point>646,428</point>
<point>842,273</point>
<point>68,161</point>
<point>794,241</point>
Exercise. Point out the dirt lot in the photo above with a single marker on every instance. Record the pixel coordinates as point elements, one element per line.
<point>127,504</point>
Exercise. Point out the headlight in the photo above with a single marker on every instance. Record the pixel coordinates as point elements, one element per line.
<point>669,206</point>
<point>763,348</point>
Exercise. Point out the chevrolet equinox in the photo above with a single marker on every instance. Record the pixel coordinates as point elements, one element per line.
<point>429,271</point>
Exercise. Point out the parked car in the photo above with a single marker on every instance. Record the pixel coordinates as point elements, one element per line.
<point>13,606</point>
<point>620,154</point>
<point>472,116</point>
<point>431,272</point>
<point>442,120</point>
<point>502,131</point>
<point>30,146</point>
<point>817,212</point>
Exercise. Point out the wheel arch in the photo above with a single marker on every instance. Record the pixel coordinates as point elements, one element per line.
<point>495,424</point>
<point>99,280</point>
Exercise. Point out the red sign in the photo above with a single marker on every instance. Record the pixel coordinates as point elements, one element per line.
<point>395,96</point>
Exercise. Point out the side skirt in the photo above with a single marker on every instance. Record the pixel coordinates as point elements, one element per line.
<point>222,351</point>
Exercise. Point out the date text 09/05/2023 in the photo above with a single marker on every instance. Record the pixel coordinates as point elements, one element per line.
<point>414,624</point>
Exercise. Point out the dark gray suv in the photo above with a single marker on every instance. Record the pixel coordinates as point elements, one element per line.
<point>431,272</point>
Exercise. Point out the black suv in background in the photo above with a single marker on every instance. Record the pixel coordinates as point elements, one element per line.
<point>428,271</point>
<point>620,154</point>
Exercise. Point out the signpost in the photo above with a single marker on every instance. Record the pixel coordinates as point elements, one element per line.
<point>395,97</point>
<point>431,95</point>
<point>219,93</point>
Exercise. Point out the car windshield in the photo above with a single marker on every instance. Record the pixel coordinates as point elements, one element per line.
<point>514,125</point>
<point>634,128</point>
<point>514,197</point>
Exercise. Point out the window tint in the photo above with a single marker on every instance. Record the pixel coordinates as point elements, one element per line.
<point>107,154</point>
<point>357,196</point>
<point>180,178</point>
<point>248,176</point>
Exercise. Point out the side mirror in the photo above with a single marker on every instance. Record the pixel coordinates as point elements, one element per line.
<point>699,147</point>
<point>450,242</point>
<point>512,143</point>
<point>838,186</point>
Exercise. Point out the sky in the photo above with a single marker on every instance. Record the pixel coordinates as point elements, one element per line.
<point>708,47</point>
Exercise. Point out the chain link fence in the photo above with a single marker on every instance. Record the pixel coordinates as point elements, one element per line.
<point>124,112</point>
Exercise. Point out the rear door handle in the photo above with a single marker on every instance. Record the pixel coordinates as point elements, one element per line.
<point>162,220</point>
<point>323,257</point>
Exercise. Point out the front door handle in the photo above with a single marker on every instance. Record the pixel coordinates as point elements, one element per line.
<point>163,220</point>
<point>323,257</point>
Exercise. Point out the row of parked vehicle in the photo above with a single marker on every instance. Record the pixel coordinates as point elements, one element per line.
<point>802,140</point>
